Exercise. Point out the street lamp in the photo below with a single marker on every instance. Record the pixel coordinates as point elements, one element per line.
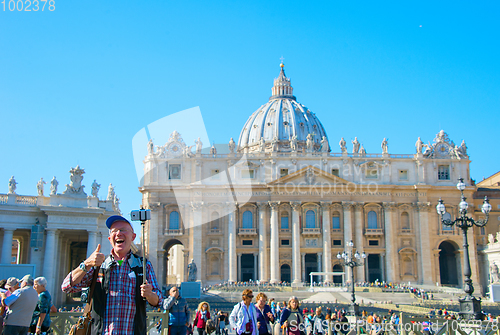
<point>470,307</point>
<point>352,259</point>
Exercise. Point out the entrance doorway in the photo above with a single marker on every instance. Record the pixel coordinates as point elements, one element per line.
<point>174,269</point>
<point>311,265</point>
<point>374,271</point>
<point>286,274</point>
<point>448,264</point>
<point>337,279</point>
<point>247,267</point>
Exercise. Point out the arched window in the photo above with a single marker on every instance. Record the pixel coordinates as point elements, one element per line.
<point>173,222</point>
<point>215,220</point>
<point>284,220</point>
<point>247,220</point>
<point>372,220</point>
<point>336,220</point>
<point>405,221</point>
<point>310,219</point>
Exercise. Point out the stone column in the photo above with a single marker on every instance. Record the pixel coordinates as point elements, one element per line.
<point>239,267</point>
<point>7,246</point>
<point>160,255</point>
<point>296,261</point>
<point>347,207</point>
<point>49,259</point>
<point>274,250</point>
<point>359,238</point>
<point>327,241</point>
<point>197,239</point>
<point>425,247</point>
<point>320,258</point>
<point>231,249</point>
<point>390,240</point>
<point>262,242</point>
<point>154,229</point>
<point>255,265</point>
<point>382,266</point>
<point>92,243</point>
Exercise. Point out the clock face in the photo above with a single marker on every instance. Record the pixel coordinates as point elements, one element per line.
<point>441,150</point>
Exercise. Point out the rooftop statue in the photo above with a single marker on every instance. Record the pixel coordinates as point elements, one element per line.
<point>231,145</point>
<point>343,147</point>
<point>12,185</point>
<point>39,187</point>
<point>199,145</point>
<point>355,146</point>
<point>325,147</point>
<point>111,193</point>
<point>150,146</point>
<point>419,145</point>
<point>293,143</point>
<point>384,146</point>
<point>95,188</point>
<point>75,186</point>
<point>53,186</point>
<point>309,143</point>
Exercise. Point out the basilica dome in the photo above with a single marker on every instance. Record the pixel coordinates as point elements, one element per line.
<point>282,124</point>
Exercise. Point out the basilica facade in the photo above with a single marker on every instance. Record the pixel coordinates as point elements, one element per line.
<point>284,200</point>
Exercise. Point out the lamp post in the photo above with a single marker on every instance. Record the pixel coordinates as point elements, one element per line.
<point>352,259</point>
<point>470,307</point>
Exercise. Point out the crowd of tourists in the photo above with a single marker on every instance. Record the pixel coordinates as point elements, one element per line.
<point>25,306</point>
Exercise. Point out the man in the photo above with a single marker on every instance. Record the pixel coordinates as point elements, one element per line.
<point>118,306</point>
<point>21,303</point>
<point>178,312</point>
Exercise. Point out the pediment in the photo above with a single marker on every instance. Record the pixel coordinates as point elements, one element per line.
<point>309,175</point>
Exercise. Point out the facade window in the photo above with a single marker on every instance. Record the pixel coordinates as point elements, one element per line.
<point>310,219</point>
<point>215,220</point>
<point>443,172</point>
<point>247,220</point>
<point>335,172</point>
<point>336,220</point>
<point>283,172</point>
<point>174,171</point>
<point>372,220</point>
<point>337,242</point>
<point>173,222</point>
<point>215,174</point>
<point>403,174</point>
<point>285,242</point>
<point>247,174</point>
<point>371,173</point>
<point>284,220</point>
<point>373,242</point>
<point>405,221</point>
<point>247,242</point>
<point>483,231</point>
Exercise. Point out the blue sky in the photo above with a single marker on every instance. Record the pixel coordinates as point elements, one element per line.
<point>77,83</point>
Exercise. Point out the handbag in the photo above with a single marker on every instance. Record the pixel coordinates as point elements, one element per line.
<point>82,327</point>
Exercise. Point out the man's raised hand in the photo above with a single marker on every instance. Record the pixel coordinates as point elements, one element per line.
<point>96,258</point>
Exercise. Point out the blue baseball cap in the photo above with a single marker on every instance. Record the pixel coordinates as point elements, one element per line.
<point>114,218</point>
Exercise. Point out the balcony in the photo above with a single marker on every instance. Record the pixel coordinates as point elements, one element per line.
<point>405,231</point>
<point>336,231</point>
<point>374,232</point>
<point>285,231</point>
<point>214,231</point>
<point>174,232</point>
<point>247,231</point>
<point>311,231</point>
<point>448,231</point>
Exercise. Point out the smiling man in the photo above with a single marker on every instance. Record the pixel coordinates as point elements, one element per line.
<point>118,306</point>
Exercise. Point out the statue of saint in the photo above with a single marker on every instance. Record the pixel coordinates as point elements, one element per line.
<point>213,150</point>
<point>199,145</point>
<point>309,143</point>
<point>362,151</point>
<point>111,193</point>
<point>150,146</point>
<point>462,150</point>
<point>419,145</point>
<point>325,147</point>
<point>53,186</point>
<point>192,271</point>
<point>343,147</point>
<point>355,146</point>
<point>262,145</point>
<point>384,146</point>
<point>494,279</point>
<point>12,185</point>
<point>274,144</point>
<point>95,188</point>
<point>293,143</point>
<point>116,202</point>
<point>491,238</point>
<point>39,187</point>
<point>232,145</point>
<point>187,151</point>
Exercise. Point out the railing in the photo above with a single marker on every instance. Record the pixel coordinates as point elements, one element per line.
<point>311,231</point>
<point>214,231</point>
<point>405,231</point>
<point>174,232</point>
<point>374,231</point>
<point>448,232</point>
<point>61,322</point>
<point>3,199</point>
<point>247,231</point>
<point>299,153</point>
<point>336,230</point>
<point>26,200</point>
<point>285,231</point>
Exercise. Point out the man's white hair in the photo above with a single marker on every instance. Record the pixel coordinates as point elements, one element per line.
<point>41,281</point>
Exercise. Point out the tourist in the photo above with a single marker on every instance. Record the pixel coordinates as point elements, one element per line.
<point>292,319</point>
<point>264,315</point>
<point>120,272</point>
<point>243,318</point>
<point>317,322</point>
<point>21,303</point>
<point>178,312</point>
<point>201,318</point>
<point>40,322</point>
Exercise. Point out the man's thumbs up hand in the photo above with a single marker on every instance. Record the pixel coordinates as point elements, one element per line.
<point>96,258</point>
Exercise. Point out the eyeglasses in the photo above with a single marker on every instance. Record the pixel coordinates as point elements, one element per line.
<point>249,296</point>
<point>116,230</point>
